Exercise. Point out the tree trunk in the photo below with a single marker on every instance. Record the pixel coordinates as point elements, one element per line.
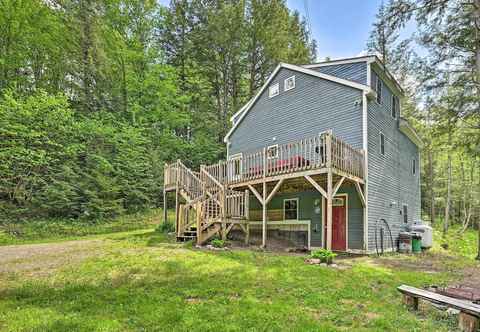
<point>477,32</point>
<point>449,184</point>
<point>431,183</point>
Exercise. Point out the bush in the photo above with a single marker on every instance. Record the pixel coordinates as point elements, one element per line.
<point>217,243</point>
<point>166,227</point>
<point>325,255</point>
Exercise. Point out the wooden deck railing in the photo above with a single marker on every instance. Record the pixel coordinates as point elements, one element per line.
<point>306,154</point>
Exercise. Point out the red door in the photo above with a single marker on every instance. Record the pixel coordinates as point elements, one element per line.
<point>339,224</point>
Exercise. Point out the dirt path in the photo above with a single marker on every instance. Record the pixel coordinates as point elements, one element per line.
<point>45,258</point>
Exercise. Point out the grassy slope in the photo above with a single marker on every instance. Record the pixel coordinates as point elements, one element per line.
<point>37,231</point>
<point>144,282</point>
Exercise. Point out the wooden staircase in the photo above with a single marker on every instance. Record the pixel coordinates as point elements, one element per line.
<point>210,208</point>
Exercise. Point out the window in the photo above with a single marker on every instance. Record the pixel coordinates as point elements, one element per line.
<point>272,151</point>
<point>382,144</point>
<point>336,201</point>
<point>405,213</point>
<point>395,106</point>
<point>274,90</point>
<point>414,166</point>
<point>290,209</point>
<point>379,89</point>
<point>289,83</point>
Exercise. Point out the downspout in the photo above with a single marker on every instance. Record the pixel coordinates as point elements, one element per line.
<point>365,151</point>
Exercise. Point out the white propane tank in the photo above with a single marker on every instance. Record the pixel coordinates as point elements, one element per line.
<point>427,234</point>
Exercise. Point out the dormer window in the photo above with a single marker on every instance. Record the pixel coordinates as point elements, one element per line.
<point>274,90</point>
<point>289,83</point>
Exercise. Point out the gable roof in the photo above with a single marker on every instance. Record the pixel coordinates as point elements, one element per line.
<point>247,107</point>
<point>369,59</point>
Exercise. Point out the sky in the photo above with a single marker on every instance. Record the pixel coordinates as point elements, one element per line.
<point>340,27</point>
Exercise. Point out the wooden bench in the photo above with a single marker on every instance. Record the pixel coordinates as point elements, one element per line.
<point>469,312</point>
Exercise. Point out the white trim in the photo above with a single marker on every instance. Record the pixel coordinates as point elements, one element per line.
<point>274,94</point>
<point>283,206</point>
<point>285,88</point>
<point>380,135</point>
<point>314,73</point>
<point>342,61</point>
<point>241,110</point>
<point>406,129</point>
<point>346,220</point>
<point>272,146</point>
<point>323,221</point>
<point>365,151</point>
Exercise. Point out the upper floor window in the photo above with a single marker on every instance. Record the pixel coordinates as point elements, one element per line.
<point>395,106</point>
<point>378,88</point>
<point>382,144</point>
<point>289,83</point>
<point>414,166</point>
<point>272,151</point>
<point>405,213</point>
<point>274,90</point>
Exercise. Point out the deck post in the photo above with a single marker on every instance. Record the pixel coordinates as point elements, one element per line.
<point>329,191</point>
<point>165,214</point>
<point>264,216</point>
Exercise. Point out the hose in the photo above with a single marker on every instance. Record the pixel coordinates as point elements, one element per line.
<point>382,234</point>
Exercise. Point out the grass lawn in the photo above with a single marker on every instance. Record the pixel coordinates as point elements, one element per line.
<point>38,231</point>
<point>142,281</point>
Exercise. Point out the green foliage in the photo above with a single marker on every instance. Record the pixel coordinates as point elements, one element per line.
<point>218,243</point>
<point>166,227</point>
<point>325,255</point>
<point>96,96</point>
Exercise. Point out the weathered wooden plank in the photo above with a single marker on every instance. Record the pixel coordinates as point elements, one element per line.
<point>464,306</point>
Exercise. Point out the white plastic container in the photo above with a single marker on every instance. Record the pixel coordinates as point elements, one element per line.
<point>426,232</point>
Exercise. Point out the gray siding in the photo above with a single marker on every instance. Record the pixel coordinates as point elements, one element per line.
<point>313,106</point>
<point>390,178</point>
<point>356,72</point>
<point>306,201</point>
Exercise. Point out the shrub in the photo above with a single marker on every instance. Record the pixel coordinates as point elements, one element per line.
<point>217,243</point>
<point>325,255</point>
<point>166,227</point>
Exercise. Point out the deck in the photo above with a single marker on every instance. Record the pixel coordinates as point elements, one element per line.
<point>219,193</point>
<point>306,157</point>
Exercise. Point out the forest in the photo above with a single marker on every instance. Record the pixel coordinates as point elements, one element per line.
<point>95,96</point>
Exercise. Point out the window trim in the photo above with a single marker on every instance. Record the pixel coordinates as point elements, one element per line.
<point>276,154</point>
<point>378,89</point>
<point>285,88</point>
<point>382,146</point>
<point>290,199</point>
<point>270,95</point>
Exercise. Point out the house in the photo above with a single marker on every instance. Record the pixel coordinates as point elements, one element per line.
<point>319,156</point>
